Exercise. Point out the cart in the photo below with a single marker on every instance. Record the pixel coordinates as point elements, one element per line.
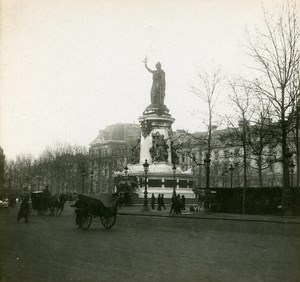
<point>42,203</point>
<point>92,206</point>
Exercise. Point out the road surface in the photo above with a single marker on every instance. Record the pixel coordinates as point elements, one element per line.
<point>144,248</point>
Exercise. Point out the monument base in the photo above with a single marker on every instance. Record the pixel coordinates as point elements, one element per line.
<point>161,180</point>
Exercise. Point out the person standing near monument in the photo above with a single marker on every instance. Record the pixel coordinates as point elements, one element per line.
<point>153,201</point>
<point>162,199</point>
<point>159,84</point>
<point>159,202</point>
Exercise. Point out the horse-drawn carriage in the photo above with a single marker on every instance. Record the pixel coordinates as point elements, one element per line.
<point>43,203</point>
<point>89,207</point>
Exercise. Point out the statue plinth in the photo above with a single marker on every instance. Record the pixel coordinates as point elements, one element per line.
<point>156,109</point>
<point>156,131</point>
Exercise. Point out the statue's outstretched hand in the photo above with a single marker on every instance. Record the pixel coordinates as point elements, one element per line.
<point>145,61</point>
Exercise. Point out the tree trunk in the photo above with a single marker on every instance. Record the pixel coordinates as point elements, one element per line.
<point>259,166</point>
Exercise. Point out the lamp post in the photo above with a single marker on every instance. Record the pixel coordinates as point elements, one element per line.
<point>9,185</point>
<point>126,172</point>
<point>286,192</point>
<point>174,186</point>
<point>83,175</point>
<point>207,166</point>
<point>26,184</point>
<point>70,166</point>
<point>146,167</point>
<point>92,175</point>
<point>231,169</point>
<point>226,178</point>
<point>292,166</point>
<point>223,179</point>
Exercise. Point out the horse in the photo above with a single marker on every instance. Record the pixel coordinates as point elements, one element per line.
<point>60,204</point>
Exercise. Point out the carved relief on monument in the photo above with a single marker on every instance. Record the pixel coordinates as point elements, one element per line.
<point>146,127</point>
<point>159,149</point>
<point>134,152</point>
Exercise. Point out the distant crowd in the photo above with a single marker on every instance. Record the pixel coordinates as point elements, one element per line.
<point>177,203</point>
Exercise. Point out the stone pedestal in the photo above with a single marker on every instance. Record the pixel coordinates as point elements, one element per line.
<point>152,125</point>
<point>160,176</point>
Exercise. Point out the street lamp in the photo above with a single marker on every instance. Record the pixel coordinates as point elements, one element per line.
<point>26,187</point>
<point>286,193</point>
<point>92,175</point>
<point>9,185</point>
<point>83,175</point>
<point>231,169</point>
<point>223,179</point>
<point>207,166</point>
<point>126,172</point>
<point>70,166</point>
<point>226,179</point>
<point>292,166</point>
<point>174,187</point>
<point>146,167</point>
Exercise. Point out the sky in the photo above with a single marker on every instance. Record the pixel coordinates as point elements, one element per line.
<point>72,67</point>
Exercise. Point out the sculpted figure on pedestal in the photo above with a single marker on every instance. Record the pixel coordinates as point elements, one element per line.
<point>159,150</point>
<point>158,86</point>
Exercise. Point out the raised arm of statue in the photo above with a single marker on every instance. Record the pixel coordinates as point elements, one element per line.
<point>150,70</point>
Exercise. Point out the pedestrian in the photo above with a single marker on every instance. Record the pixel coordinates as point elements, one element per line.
<point>159,202</point>
<point>177,205</point>
<point>80,211</point>
<point>24,210</point>
<point>153,201</point>
<point>173,200</point>
<point>162,201</point>
<point>182,202</point>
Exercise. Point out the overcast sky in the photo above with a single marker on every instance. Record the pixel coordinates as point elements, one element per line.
<point>71,67</point>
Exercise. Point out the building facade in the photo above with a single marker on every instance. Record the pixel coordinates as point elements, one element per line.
<point>227,166</point>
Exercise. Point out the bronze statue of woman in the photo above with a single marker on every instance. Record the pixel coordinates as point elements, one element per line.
<point>158,86</point>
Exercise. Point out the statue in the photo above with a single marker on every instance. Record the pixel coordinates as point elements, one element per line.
<point>159,84</point>
<point>134,153</point>
<point>159,149</point>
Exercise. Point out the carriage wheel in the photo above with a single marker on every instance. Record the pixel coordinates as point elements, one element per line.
<point>52,211</point>
<point>85,222</point>
<point>108,221</point>
<point>58,211</point>
<point>42,210</point>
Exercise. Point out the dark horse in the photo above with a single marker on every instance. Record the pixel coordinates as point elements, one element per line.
<point>60,204</point>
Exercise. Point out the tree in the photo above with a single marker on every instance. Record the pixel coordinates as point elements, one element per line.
<point>240,97</point>
<point>277,58</point>
<point>208,91</point>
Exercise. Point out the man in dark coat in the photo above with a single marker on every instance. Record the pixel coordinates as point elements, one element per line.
<point>177,205</point>
<point>173,203</point>
<point>182,202</point>
<point>80,211</point>
<point>159,202</point>
<point>24,210</point>
<point>153,202</point>
<point>162,199</point>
